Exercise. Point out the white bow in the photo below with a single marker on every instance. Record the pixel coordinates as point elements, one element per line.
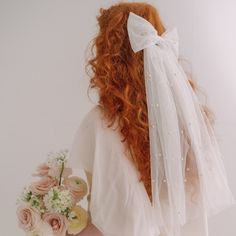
<point>174,113</point>
<point>145,35</point>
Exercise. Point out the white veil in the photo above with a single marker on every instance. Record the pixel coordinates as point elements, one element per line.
<point>177,124</point>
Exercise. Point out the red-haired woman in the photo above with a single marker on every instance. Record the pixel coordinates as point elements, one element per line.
<point>112,143</point>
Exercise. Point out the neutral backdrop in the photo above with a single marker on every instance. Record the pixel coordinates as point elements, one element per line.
<point>43,83</point>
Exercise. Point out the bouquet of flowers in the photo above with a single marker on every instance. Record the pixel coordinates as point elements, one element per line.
<point>50,205</point>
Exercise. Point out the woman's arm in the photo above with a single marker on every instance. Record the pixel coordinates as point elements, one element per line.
<point>90,230</point>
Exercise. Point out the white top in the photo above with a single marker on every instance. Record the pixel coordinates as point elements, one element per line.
<point>119,204</point>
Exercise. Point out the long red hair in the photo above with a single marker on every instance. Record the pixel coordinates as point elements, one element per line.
<point>118,76</point>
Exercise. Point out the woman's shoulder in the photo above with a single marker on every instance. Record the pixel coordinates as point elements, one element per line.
<point>95,110</point>
<point>93,117</point>
<point>94,122</point>
<point>95,126</point>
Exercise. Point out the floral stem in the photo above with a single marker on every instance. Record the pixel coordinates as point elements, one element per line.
<point>62,169</point>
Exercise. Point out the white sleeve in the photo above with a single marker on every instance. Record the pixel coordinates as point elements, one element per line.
<point>81,153</point>
<point>118,203</point>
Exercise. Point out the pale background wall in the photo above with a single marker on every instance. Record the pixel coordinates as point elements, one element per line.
<point>43,83</point>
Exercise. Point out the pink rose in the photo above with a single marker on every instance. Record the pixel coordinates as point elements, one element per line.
<point>56,171</point>
<point>42,186</point>
<point>28,217</point>
<point>58,223</point>
<point>44,170</point>
<point>77,186</point>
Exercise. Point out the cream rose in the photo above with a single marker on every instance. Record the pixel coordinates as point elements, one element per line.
<point>77,186</point>
<point>58,223</point>
<point>80,222</point>
<point>42,186</point>
<point>28,217</point>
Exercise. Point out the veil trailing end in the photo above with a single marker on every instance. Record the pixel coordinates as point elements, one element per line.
<point>187,170</point>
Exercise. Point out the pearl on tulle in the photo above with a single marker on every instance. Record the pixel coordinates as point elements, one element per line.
<point>182,158</point>
<point>182,131</point>
<point>188,169</point>
<point>164,180</point>
<point>185,180</point>
<point>159,154</point>
<point>143,33</point>
<point>153,180</point>
<point>153,125</point>
<point>155,105</point>
<point>149,76</point>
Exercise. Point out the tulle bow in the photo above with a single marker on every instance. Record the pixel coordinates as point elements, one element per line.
<point>174,114</point>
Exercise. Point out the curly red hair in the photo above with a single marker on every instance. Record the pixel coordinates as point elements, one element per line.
<point>118,75</point>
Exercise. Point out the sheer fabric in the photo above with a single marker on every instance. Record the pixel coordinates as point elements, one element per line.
<point>175,116</point>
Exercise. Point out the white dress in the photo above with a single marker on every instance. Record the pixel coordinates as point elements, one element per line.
<point>119,204</point>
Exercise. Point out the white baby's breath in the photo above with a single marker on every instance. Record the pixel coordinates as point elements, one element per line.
<point>41,229</point>
<point>57,158</point>
<point>58,201</point>
<point>34,200</point>
<point>35,232</point>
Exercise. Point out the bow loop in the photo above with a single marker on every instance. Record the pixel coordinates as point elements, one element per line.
<point>142,34</point>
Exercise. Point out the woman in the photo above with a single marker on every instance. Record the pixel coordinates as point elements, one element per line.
<point>113,142</point>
